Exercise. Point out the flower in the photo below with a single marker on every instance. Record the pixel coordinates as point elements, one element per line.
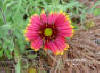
<point>49,31</point>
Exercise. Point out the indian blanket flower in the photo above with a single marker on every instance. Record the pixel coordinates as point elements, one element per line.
<point>48,31</point>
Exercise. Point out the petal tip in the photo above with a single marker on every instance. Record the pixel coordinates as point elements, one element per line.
<point>34,48</point>
<point>43,11</point>
<point>27,39</point>
<point>25,31</point>
<point>67,46</point>
<point>62,53</point>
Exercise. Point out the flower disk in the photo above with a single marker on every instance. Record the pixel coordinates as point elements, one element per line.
<point>49,31</point>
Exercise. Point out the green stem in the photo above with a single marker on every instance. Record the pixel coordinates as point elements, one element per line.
<point>17,57</point>
<point>3,15</point>
<point>18,66</point>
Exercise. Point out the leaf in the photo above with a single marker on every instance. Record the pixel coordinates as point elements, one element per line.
<point>11,3</point>
<point>8,53</point>
<point>5,27</point>
<point>67,38</point>
<point>97,11</point>
<point>1,52</point>
<point>1,4</point>
<point>11,45</point>
<point>32,56</point>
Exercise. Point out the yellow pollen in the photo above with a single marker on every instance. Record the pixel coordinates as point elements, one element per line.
<point>48,32</point>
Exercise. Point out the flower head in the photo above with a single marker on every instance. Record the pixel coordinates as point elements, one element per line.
<point>49,32</point>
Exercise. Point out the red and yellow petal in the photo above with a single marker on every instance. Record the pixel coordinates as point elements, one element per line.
<point>43,17</point>
<point>37,44</point>
<point>51,18</point>
<point>35,20</point>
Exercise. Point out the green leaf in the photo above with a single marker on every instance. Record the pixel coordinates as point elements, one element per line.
<point>1,4</point>
<point>11,3</point>
<point>1,52</point>
<point>97,11</point>
<point>8,53</point>
<point>67,38</point>
<point>32,56</point>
